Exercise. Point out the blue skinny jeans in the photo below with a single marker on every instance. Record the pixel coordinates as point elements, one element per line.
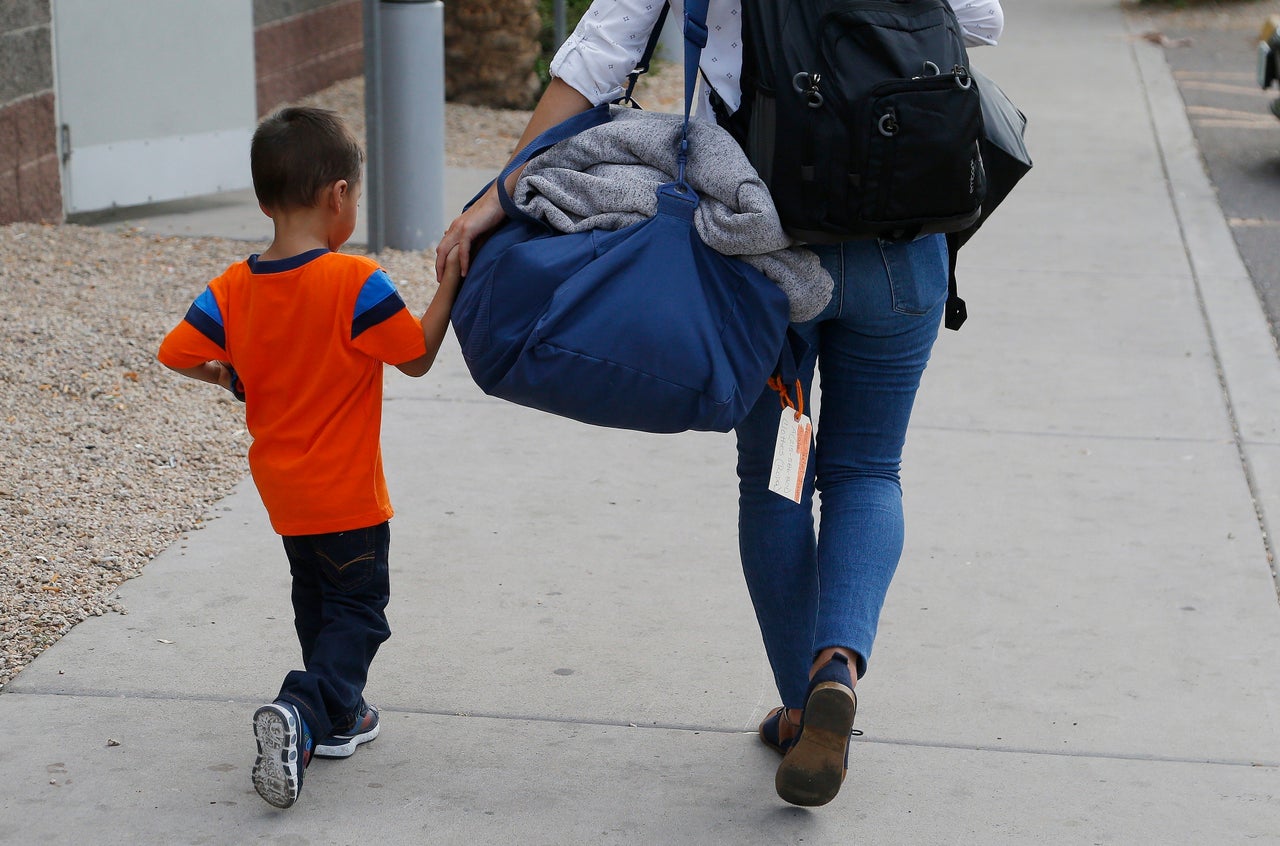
<point>814,590</point>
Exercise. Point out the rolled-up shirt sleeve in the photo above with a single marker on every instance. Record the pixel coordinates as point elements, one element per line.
<point>981,20</point>
<point>605,46</point>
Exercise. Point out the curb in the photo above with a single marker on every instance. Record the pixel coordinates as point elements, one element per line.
<point>1239,336</point>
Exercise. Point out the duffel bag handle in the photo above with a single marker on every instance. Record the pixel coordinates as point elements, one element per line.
<point>565,129</point>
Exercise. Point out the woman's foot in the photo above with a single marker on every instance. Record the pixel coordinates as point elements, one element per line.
<point>778,730</point>
<point>814,768</point>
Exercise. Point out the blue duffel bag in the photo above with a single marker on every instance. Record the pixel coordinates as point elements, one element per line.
<point>643,328</point>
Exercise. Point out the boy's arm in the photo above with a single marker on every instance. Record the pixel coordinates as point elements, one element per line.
<point>435,320</point>
<point>216,373</point>
<point>196,347</point>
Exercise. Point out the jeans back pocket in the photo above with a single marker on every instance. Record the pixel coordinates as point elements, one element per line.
<point>918,273</point>
<point>351,560</point>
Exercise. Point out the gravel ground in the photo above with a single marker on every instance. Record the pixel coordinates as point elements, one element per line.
<point>107,457</point>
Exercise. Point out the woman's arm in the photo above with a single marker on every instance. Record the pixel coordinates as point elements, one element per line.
<point>596,58</point>
<point>981,20</point>
<point>558,102</point>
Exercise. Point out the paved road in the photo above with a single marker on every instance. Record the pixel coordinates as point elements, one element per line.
<point>1237,134</point>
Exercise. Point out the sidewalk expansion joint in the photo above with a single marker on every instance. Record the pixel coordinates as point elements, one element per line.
<point>1070,435</point>
<point>1089,754</point>
<point>484,400</point>
<point>691,728</point>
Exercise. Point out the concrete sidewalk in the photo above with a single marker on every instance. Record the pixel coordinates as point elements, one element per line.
<point>1082,644</point>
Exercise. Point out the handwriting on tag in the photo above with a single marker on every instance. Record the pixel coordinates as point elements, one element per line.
<point>791,455</point>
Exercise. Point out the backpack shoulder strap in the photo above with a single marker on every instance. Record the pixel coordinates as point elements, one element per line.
<point>655,35</point>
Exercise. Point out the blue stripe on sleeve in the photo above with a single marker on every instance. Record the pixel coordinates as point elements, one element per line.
<point>378,313</point>
<point>206,317</point>
<point>377,301</point>
<point>374,291</point>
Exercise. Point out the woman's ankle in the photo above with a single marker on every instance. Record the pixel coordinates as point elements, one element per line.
<point>825,655</point>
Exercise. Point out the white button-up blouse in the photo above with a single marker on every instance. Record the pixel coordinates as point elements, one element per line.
<point>610,39</point>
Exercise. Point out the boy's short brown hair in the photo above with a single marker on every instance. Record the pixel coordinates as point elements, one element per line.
<point>299,151</point>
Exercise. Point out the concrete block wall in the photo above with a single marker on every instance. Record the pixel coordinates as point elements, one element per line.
<point>300,46</point>
<point>30,183</point>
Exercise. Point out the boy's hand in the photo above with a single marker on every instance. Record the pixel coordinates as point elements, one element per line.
<point>217,373</point>
<point>451,279</point>
<point>435,320</point>
<point>234,385</point>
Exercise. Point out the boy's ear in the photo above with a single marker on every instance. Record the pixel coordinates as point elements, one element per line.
<point>338,194</point>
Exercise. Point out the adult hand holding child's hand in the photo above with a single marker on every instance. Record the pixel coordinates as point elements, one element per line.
<point>468,230</point>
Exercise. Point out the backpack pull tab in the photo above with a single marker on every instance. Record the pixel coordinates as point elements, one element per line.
<point>806,85</point>
<point>888,124</point>
<point>930,69</point>
<point>962,78</point>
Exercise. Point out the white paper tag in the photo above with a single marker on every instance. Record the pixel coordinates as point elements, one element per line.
<point>791,455</point>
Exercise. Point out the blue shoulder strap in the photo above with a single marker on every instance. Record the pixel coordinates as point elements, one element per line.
<point>695,38</point>
<point>655,35</point>
<point>565,129</point>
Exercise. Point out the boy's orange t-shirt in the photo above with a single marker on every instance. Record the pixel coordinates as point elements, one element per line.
<point>308,337</point>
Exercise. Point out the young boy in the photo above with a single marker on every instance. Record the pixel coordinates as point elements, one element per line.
<point>300,334</point>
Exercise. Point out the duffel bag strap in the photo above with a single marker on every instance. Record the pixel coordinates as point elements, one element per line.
<point>695,38</point>
<point>565,129</point>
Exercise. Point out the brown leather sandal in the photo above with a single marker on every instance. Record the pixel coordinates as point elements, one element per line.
<point>771,731</point>
<point>814,768</point>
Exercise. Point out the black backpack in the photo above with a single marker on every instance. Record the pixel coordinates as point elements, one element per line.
<point>861,117</point>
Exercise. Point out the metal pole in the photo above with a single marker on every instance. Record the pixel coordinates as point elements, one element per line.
<point>558,17</point>
<point>411,135</point>
<point>375,238</point>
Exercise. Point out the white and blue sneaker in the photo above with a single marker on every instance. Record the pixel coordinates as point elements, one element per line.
<point>284,751</point>
<point>343,744</point>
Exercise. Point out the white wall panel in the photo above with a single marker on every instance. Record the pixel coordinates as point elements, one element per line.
<point>156,98</point>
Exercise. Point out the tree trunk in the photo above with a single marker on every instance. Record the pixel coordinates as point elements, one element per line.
<point>491,51</point>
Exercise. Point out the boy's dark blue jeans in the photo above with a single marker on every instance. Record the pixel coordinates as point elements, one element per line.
<point>340,590</point>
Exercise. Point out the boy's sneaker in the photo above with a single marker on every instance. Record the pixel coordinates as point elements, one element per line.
<point>284,751</point>
<point>343,744</point>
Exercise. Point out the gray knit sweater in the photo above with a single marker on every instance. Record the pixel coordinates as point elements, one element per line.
<point>606,178</point>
